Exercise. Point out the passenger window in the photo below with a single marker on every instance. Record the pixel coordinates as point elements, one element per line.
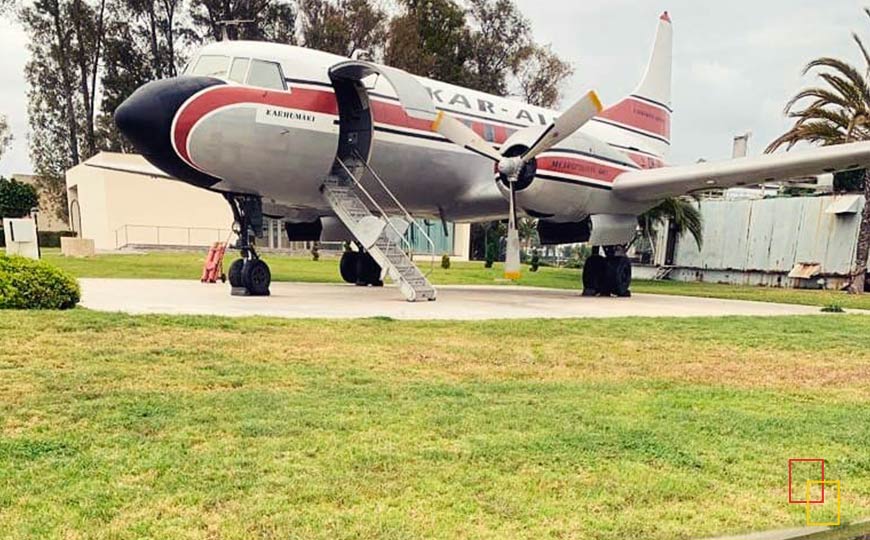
<point>266,75</point>
<point>239,69</point>
<point>210,65</point>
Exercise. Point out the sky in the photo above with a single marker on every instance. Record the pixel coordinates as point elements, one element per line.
<point>736,62</point>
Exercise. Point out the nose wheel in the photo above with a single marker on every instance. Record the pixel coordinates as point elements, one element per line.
<point>249,275</point>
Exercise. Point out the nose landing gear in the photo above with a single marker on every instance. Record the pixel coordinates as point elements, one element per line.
<point>250,275</point>
<point>606,276</point>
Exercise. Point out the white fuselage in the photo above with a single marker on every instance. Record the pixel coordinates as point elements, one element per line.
<point>280,143</point>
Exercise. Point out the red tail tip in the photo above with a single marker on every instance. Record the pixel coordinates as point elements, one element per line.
<point>666,17</point>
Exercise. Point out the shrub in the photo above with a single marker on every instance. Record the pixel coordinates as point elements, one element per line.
<point>491,254</point>
<point>833,308</point>
<point>29,284</point>
<point>315,251</point>
<point>535,262</point>
<point>445,261</point>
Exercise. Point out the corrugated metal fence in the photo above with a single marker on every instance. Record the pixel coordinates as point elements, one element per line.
<point>772,235</point>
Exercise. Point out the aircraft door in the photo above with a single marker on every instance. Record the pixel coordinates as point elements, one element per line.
<point>355,114</point>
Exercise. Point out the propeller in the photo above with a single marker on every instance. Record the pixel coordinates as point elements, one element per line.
<point>512,167</point>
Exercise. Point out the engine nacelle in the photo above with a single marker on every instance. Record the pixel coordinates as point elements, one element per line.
<point>568,182</point>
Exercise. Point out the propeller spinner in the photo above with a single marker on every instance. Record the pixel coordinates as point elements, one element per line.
<point>512,167</point>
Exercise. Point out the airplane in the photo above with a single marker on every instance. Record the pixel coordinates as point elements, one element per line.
<point>345,149</point>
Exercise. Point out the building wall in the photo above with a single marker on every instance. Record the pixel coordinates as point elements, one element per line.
<point>119,209</point>
<point>759,241</point>
<point>47,219</point>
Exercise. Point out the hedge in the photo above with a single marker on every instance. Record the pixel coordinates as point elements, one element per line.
<point>29,284</point>
<point>47,239</point>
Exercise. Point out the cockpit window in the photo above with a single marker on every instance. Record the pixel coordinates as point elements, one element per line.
<point>211,65</point>
<point>239,69</point>
<point>266,75</point>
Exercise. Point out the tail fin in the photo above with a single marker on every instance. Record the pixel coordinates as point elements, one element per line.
<point>644,117</point>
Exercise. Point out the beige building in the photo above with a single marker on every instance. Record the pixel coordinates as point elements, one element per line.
<point>47,219</point>
<point>118,209</point>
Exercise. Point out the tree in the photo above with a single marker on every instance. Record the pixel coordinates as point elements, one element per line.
<point>16,198</point>
<point>431,39</point>
<point>343,26</point>
<point>271,20</point>
<point>5,135</point>
<point>498,44</point>
<point>540,74</point>
<point>837,112</point>
<point>680,212</point>
<point>65,38</point>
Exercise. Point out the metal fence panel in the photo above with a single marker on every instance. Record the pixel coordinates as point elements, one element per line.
<point>772,235</point>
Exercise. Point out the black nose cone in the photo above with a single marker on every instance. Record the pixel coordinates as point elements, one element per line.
<point>145,119</point>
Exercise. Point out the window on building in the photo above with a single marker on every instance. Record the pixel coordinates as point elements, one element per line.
<point>239,69</point>
<point>211,65</point>
<point>266,75</point>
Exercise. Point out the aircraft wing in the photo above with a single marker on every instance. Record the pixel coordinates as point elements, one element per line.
<point>656,184</point>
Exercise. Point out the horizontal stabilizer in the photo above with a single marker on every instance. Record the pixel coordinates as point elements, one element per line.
<point>656,184</point>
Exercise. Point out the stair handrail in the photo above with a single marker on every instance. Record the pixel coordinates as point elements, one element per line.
<point>412,222</point>
<point>375,203</point>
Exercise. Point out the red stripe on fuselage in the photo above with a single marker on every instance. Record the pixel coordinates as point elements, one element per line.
<point>579,167</point>
<point>644,161</point>
<point>640,115</point>
<point>223,96</point>
<point>392,114</point>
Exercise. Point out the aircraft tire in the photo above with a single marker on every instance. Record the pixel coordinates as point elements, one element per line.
<point>595,276</point>
<point>349,266</point>
<point>256,277</point>
<point>369,272</point>
<point>234,274</point>
<point>619,276</point>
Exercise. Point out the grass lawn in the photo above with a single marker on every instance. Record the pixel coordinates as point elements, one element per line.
<point>119,427</point>
<point>189,266</point>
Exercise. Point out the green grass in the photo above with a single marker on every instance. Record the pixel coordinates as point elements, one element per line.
<point>117,427</point>
<point>189,266</point>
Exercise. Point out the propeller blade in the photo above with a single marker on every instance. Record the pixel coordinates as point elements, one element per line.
<point>565,126</point>
<point>512,251</point>
<point>464,136</point>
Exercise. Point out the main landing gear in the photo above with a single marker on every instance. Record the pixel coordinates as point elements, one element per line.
<point>360,268</point>
<point>250,275</point>
<point>610,275</point>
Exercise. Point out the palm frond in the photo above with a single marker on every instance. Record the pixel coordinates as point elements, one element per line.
<point>864,52</point>
<point>822,96</point>
<point>856,85</point>
<point>682,213</point>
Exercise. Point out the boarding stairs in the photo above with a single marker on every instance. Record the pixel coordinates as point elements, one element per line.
<point>663,273</point>
<point>382,236</point>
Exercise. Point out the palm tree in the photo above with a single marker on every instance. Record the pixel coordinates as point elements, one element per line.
<point>837,112</point>
<point>682,213</point>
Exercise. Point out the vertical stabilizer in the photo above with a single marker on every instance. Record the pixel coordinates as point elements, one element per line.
<point>644,117</point>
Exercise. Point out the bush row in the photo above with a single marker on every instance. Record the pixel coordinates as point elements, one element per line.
<point>47,239</point>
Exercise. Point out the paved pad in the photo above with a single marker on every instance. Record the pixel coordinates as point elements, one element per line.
<point>310,300</point>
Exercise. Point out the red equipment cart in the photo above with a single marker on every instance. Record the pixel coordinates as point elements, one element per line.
<point>214,264</point>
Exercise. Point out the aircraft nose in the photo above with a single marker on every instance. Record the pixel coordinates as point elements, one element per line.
<point>145,119</point>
